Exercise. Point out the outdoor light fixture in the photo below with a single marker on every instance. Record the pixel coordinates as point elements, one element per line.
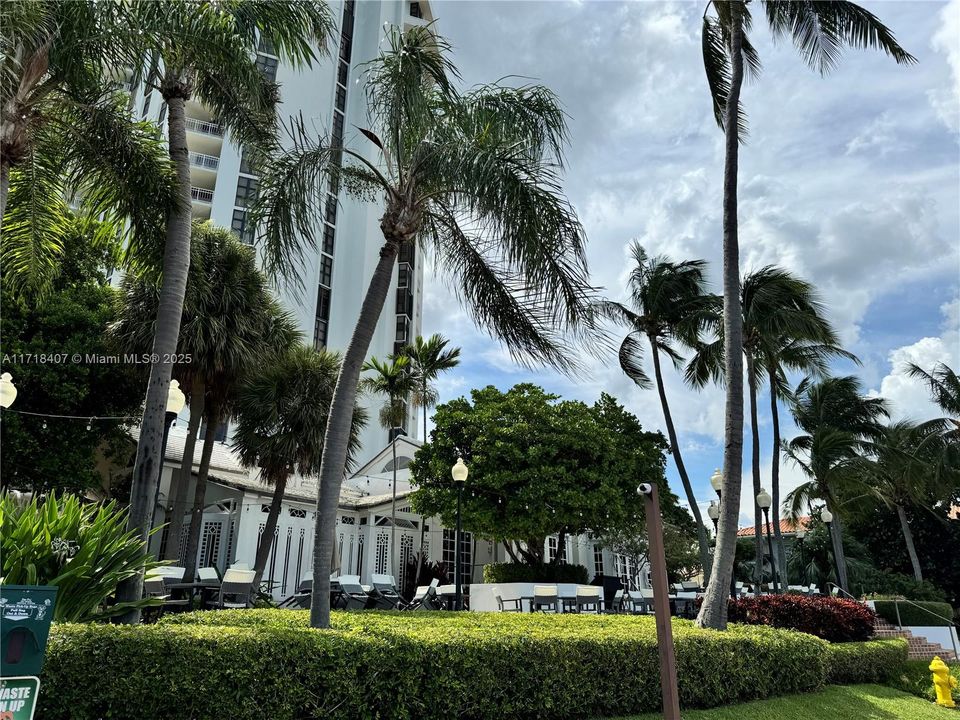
<point>801,534</point>
<point>8,391</point>
<point>764,501</point>
<point>716,481</point>
<point>175,398</point>
<point>459,473</point>
<point>713,512</point>
<point>826,516</point>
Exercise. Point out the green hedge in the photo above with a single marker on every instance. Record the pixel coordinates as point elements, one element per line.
<point>269,664</point>
<point>874,661</point>
<point>914,677</point>
<point>546,573</point>
<point>912,615</point>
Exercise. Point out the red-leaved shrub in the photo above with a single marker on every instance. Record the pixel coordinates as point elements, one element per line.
<point>833,619</point>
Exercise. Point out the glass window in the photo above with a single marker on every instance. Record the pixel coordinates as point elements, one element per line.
<point>341,97</point>
<point>597,560</point>
<point>326,269</point>
<point>246,166</point>
<point>331,211</point>
<point>337,138</point>
<point>241,226</point>
<point>415,10</point>
<point>343,72</point>
<point>329,235</point>
<point>246,191</point>
<point>267,66</point>
<point>266,46</point>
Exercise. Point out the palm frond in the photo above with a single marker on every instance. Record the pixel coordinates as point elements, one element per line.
<point>631,360</point>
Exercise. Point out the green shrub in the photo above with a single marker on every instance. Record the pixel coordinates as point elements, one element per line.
<point>545,573</point>
<point>82,548</point>
<point>269,664</point>
<point>874,661</point>
<point>833,619</point>
<point>914,677</point>
<point>871,581</point>
<point>928,613</point>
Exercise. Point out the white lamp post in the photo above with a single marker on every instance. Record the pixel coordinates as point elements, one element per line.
<point>459,473</point>
<point>176,400</point>
<point>8,391</point>
<point>716,482</point>
<point>827,518</point>
<point>713,512</point>
<point>763,502</point>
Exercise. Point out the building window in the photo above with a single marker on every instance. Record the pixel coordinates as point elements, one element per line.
<point>329,234</point>
<point>246,166</point>
<point>219,436</point>
<point>552,551</point>
<point>341,102</point>
<point>403,329</point>
<point>337,130</point>
<point>597,560</point>
<point>326,270</point>
<point>246,191</point>
<point>343,71</point>
<point>297,512</point>
<point>415,10</point>
<point>267,66</point>
<point>331,211</point>
<point>466,552</point>
<point>241,226</point>
<point>382,552</point>
<point>266,46</point>
<point>322,318</point>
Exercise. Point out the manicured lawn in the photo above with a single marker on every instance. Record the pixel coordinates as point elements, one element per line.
<point>851,702</point>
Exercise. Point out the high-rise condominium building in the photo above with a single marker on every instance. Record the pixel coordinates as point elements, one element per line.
<point>330,98</point>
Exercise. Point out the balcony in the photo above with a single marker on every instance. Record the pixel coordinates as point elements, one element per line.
<point>201,195</point>
<point>206,162</point>
<point>204,127</point>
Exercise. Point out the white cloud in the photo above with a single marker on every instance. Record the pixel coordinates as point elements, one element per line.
<point>946,40</point>
<point>909,397</point>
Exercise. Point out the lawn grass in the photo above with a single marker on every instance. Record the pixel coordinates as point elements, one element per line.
<point>850,702</point>
<point>914,678</point>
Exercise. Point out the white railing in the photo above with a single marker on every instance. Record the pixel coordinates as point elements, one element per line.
<point>204,161</point>
<point>201,194</point>
<point>202,126</point>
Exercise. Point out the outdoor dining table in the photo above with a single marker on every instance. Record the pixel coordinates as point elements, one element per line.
<point>191,589</point>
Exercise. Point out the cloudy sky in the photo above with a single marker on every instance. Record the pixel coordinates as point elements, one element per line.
<point>851,181</point>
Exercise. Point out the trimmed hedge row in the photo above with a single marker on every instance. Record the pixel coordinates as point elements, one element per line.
<point>258,664</point>
<point>912,615</point>
<point>875,661</point>
<point>914,677</point>
<point>545,573</point>
<point>836,620</point>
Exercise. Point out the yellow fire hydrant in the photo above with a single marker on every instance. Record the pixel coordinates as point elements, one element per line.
<point>943,682</point>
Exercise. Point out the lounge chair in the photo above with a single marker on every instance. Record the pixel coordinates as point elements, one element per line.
<point>236,590</point>
<point>545,597</point>
<point>385,593</point>
<point>353,595</point>
<point>425,598</point>
<point>511,605</point>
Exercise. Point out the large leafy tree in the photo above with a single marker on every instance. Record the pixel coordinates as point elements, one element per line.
<point>838,425</point>
<point>204,52</point>
<point>471,177</point>
<point>785,330</point>
<point>281,413</point>
<point>538,467</point>
<point>669,306</point>
<point>428,358</point>
<point>820,31</point>
<point>231,323</point>
<point>394,381</point>
<point>41,454</point>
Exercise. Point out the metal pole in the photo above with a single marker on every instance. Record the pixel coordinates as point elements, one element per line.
<point>773,564</point>
<point>458,598</point>
<point>168,421</point>
<point>836,563</point>
<point>661,603</point>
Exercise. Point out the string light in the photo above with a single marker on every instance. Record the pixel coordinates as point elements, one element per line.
<point>56,416</point>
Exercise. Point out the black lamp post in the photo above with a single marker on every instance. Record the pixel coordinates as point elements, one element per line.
<point>716,482</point>
<point>801,534</point>
<point>763,502</point>
<point>713,512</point>
<point>175,402</point>
<point>459,473</point>
<point>827,517</point>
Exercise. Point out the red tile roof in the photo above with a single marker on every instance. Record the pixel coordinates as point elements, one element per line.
<point>787,527</point>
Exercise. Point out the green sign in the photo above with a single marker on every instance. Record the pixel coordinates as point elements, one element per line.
<point>18,697</point>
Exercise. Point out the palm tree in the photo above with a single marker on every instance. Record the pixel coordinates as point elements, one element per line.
<point>819,31</point>
<point>395,381</point>
<point>429,358</point>
<point>230,322</point>
<point>66,130</point>
<point>784,329</point>
<point>944,386</point>
<point>669,305</point>
<point>206,52</point>
<point>838,425</point>
<point>281,413</point>
<point>474,178</point>
<point>906,470</point>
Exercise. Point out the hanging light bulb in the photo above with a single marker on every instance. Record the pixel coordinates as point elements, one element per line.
<point>44,425</point>
<point>89,422</point>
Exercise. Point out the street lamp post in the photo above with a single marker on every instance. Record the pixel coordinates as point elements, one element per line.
<point>716,482</point>
<point>763,502</point>
<point>8,391</point>
<point>801,534</point>
<point>827,518</point>
<point>713,512</point>
<point>175,402</point>
<point>459,473</point>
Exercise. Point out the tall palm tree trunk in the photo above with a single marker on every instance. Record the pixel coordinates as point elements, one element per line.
<point>393,511</point>
<point>176,264</point>
<point>755,472</point>
<point>200,494</point>
<point>426,409</point>
<point>908,539</point>
<point>703,543</point>
<point>836,540</point>
<point>182,479</point>
<point>416,577</point>
<point>270,529</point>
<point>5,188</point>
<point>775,478</point>
<point>337,436</point>
<point>713,612</point>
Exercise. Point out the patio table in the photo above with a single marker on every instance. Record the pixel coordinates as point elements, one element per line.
<point>191,589</point>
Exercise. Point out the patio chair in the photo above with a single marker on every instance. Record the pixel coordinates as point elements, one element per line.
<point>638,603</point>
<point>240,566</point>
<point>208,574</point>
<point>153,587</point>
<point>545,597</point>
<point>170,573</point>
<point>514,603</point>
<point>619,602</point>
<point>676,587</point>
<point>686,604</point>
<point>236,590</point>
<point>385,593</point>
<point>353,594</point>
<point>425,598</point>
<point>589,599</point>
<point>691,586</point>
